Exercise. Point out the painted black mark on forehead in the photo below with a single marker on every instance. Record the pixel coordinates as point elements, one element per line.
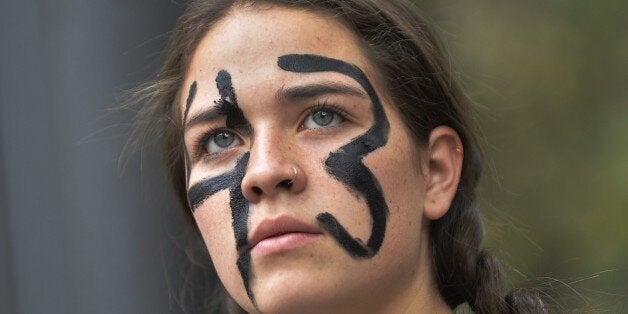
<point>345,164</point>
<point>228,103</point>
<point>190,99</point>
<point>188,162</point>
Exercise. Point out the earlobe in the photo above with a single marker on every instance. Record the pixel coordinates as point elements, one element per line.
<point>444,158</point>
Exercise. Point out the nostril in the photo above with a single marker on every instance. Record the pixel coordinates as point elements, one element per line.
<point>286,183</point>
<point>268,180</point>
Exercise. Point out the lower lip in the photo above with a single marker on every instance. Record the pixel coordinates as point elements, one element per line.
<point>283,243</point>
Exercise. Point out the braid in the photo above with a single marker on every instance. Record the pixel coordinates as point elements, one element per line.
<point>524,302</point>
<point>464,273</point>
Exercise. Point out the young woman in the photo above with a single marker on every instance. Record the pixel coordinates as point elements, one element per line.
<point>325,159</point>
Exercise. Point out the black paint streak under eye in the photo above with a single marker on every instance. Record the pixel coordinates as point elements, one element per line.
<point>240,215</point>
<point>231,180</point>
<point>345,164</point>
<point>228,103</point>
<point>199,192</point>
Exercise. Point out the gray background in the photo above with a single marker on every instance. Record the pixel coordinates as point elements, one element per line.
<point>77,234</point>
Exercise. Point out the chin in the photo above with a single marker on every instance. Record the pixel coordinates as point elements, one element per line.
<point>298,288</point>
<point>331,289</point>
<point>298,299</point>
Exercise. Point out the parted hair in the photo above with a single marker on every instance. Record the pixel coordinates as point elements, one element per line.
<point>407,56</point>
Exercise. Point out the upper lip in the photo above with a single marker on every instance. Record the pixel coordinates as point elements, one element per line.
<point>281,225</point>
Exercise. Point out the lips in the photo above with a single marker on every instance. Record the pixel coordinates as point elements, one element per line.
<point>280,233</point>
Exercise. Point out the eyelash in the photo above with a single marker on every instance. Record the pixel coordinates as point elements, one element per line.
<point>325,106</point>
<point>199,144</point>
<point>198,147</point>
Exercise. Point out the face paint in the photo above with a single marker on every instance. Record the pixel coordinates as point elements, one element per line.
<point>228,103</point>
<point>231,180</point>
<point>188,162</point>
<point>345,164</point>
<point>188,103</point>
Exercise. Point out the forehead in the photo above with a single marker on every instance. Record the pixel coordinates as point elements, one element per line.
<point>249,41</point>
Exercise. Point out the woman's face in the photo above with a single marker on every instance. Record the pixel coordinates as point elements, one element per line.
<point>305,184</point>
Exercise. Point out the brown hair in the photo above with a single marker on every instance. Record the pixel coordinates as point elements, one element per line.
<point>408,57</point>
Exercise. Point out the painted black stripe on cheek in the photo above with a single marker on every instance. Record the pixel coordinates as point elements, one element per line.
<point>343,167</point>
<point>345,164</point>
<point>228,105</point>
<point>356,248</point>
<point>240,215</point>
<point>246,272</point>
<point>207,187</point>
<point>239,205</point>
<point>232,181</point>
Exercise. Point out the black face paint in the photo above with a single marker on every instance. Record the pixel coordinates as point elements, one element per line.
<point>345,164</point>
<point>188,103</point>
<point>188,162</point>
<point>231,180</point>
<point>228,103</point>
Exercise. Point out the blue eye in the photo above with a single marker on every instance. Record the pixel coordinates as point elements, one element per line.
<point>322,118</point>
<point>221,141</point>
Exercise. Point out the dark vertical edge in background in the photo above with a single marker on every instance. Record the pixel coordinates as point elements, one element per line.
<point>7,281</point>
<point>8,295</point>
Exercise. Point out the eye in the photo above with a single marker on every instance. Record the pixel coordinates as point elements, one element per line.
<point>322,118</point>
<point>220,141</point>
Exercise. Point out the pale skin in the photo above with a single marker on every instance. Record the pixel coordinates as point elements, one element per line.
<point>418,183</point>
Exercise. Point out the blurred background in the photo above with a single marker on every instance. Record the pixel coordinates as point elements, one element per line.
<point>550,79</point>
<point>85,231</point>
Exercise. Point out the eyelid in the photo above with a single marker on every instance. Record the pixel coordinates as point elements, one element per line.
<point>324,106</point>
<point>199,143</point>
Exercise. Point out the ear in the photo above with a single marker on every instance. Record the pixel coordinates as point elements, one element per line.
<point>444,157</point>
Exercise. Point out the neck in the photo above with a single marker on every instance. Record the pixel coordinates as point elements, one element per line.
<point>418,294</point>
<point>421,295</point>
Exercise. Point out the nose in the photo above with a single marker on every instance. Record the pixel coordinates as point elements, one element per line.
<point>272,169</point>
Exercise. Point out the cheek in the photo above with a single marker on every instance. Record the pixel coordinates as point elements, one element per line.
<point>215,224</point>
<point>401,182</point>
<point>397,168</point>
<point>330,195</point>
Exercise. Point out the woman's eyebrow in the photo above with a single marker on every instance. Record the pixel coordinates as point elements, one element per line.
<point>289,94</point>
<point>211,114</point>
<point>305,92</point>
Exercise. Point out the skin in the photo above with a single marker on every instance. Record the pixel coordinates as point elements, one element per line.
<point>418,183</point>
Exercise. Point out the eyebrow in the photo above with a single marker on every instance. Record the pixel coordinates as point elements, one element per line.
<point>212,114</point>
<point>290,94</point>
<point>301,93</point>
